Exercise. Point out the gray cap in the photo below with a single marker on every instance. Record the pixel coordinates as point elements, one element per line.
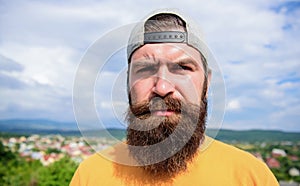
<point>193,35</point>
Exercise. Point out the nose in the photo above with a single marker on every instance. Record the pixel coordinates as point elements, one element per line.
<point>163,84</point>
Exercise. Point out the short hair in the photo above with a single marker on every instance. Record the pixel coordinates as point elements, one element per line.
<point>164,22</point>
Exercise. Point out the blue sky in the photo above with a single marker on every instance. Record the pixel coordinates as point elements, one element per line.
<point>256,44</point>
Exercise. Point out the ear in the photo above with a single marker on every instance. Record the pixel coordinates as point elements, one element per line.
<point>208,81</point>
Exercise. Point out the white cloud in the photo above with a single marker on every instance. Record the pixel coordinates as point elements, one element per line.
<point>233,105</point>
<point>47,77</point>
<point>42,64</point>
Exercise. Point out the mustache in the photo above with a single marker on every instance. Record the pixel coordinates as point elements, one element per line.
<point>181,109</point>
<point>158,104</point>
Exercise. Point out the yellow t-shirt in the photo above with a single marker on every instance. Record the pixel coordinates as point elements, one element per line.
<point>218,164</point>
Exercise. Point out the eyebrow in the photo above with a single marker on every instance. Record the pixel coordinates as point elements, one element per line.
<point>143,63</point>
<point>146,61</point>
<point>185,61</point>
<point>151,60</point>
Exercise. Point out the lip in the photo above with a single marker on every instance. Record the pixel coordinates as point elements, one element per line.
<point>163,112</point>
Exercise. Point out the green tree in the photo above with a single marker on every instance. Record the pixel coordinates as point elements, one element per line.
<point>58,173</point>
<point>15,170</point>
<point>6,154</point>
<point>53,150</point>
<point>21,172</point>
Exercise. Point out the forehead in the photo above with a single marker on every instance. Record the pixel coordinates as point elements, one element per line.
<point>167,51</point>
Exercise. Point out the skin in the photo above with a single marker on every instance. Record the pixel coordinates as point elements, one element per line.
<point>159,70</point>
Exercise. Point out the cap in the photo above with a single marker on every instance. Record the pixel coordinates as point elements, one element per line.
<point>192,36</point>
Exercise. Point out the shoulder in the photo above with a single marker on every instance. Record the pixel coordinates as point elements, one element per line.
<point>234,156</point>
<point>92,171</point>
<point>229,151</point>
<point>222,151</point>
<point>237,163</point>
<point>95,163</point>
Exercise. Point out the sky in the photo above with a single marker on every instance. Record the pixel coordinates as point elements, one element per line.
<point>256,45</point>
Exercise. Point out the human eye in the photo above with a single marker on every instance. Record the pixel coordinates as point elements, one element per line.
<point>180,68</point>
<point>146,69</point>
<point>186,67</point>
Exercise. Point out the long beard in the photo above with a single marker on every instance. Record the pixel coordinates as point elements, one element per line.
<point>187,125</point>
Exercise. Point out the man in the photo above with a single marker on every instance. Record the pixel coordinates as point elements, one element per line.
<point>168,80</point>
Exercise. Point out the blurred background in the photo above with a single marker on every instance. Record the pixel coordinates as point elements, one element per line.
<point>256,44</point>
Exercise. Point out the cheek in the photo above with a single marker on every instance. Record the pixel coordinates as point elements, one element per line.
<point>190,89</point>
<point>140,90</point>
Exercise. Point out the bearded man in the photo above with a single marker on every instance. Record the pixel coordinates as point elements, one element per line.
<point>168,80</point>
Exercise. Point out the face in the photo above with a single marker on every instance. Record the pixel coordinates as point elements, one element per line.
<point>174,73</point>
<point>159,70</point>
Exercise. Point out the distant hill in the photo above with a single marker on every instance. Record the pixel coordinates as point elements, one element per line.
<point>257,135</point>
<point>42,126</point>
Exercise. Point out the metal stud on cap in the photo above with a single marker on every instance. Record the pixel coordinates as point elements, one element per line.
<point>165,37</point>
